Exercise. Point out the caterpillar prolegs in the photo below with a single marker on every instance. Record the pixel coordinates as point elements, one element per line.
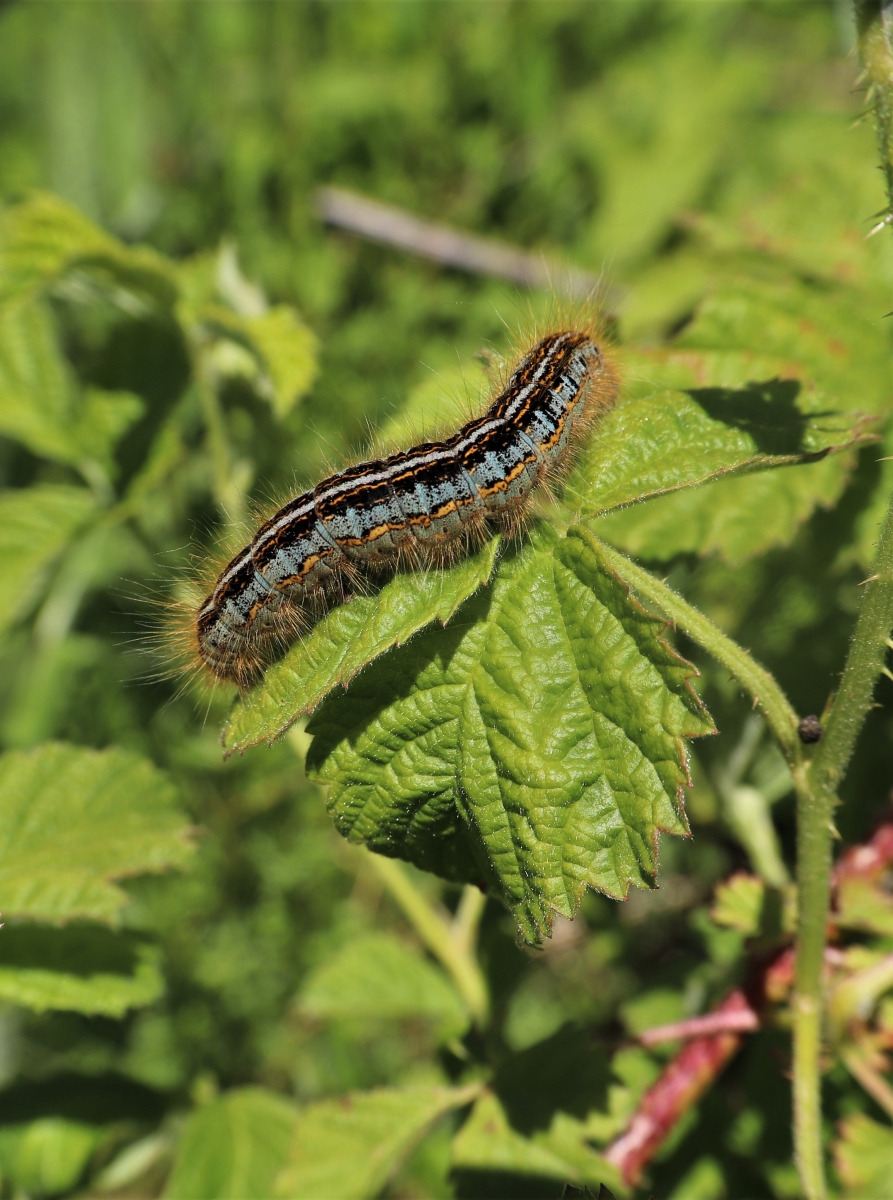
<point>420,505</point>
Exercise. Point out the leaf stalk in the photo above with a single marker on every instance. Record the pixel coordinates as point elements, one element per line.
<point>453,943</point>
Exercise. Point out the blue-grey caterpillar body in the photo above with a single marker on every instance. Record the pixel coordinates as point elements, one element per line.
<point>423,505</point>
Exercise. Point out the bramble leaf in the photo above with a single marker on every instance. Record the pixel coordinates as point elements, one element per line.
<point>72,821</point>
<point>42,406</point>
<point>378,977</point>
<point>36,524</point>
<point>47,1156</point>
<point>288,350</point>
<point>346,640</point>
<point>722,414</point>
<point>233,1146</point>
<point>103,993</point>
<point>350,1147</point>
<point>537,743</point>
<point>864,1154</point>
<point>487,1142</point>
<point>45,239</point>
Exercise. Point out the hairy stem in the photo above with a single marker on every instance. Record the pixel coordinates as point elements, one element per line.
<point>816,801</point>
<point>874,25</point>
<point>453,943</point>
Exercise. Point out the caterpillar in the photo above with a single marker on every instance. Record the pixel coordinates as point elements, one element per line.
<point>420,506</point>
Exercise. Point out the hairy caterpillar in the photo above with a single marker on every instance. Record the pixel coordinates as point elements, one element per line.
<point>421,505</point>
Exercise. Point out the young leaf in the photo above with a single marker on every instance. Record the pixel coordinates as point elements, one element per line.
<point>348,638</point>
<point>35,525</point>
<point>72,821</point>
<point>537,742</point>
<point>739,904</point>
<point>233,1146</point>
<point>377,977</point>
<point>350,1147</point>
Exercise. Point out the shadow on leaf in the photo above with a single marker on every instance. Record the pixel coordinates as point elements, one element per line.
<point>766,411</point>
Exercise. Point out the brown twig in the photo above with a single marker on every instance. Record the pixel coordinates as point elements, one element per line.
<point>441,243</point>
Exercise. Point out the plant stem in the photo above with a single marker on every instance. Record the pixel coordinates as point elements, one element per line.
<point>816,799</point>
<point>756,680</point>
<point>874,25</point>
<point>452,942</point>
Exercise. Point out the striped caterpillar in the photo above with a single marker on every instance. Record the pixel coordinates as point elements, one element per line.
<point>420,506</point>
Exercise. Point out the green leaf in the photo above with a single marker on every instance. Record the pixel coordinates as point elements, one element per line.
<point>537,742</point>
<point>736,518</point>
<point>349,1148</point>
<point>36,524</point>
<point>861,904</point>
<point>44,239</point>
<point>864,1156</point>
<point>828,332</point>
<point>377,977</point>
<point>72,821</point>
<point>233,1147</point>
<point>47,1156</point>
<point>346,640</point>
<point>288,350</point>
<point>711,420</point>
<point>739,904</point>
<point>41,404</point>
<point>70,978</point>
<point>487,1142</point>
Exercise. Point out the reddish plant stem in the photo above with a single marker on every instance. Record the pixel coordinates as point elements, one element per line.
<point>681,1085</point>
<point>717,1036</point>
<point>734,1020</point>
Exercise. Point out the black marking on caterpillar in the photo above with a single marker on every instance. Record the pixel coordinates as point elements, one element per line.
<point>421,505</point>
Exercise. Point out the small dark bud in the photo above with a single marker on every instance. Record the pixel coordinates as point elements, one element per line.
<point>810,730</point>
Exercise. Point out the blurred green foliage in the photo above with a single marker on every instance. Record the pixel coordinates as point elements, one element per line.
<point>216,346</point>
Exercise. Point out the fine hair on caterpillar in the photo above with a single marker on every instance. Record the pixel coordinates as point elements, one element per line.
<point>416,508</point>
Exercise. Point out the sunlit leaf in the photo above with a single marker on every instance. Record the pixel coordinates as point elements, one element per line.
<point>65,973</point>
<point>728,414</point>
<point>350,1147</point>
<point>73,821</point>
<point>487,1142</point>
<point>47,1156</point>
<point>378,977</point>
<point>44,239</point>
<point>232,1147</point>
<point>347,639</point>
<point>864,1155</point>
<point>288,350</point>
<point>536,743</point>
